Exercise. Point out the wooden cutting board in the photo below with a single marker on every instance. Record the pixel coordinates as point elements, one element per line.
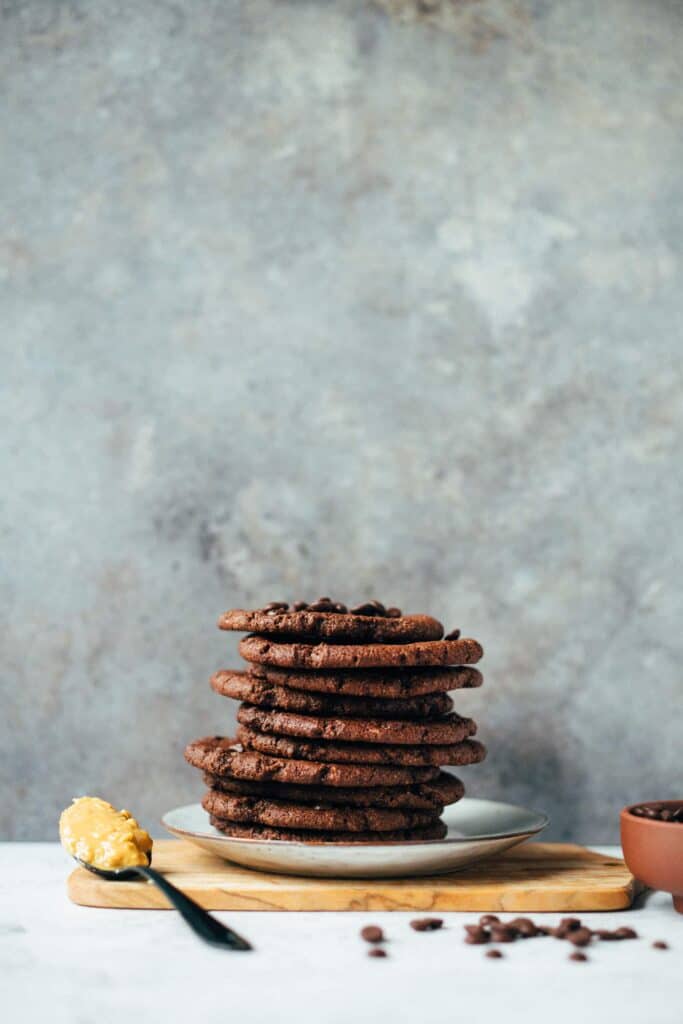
<point>536,876</point>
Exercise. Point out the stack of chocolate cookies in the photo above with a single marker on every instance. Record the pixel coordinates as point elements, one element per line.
<point>344,726</point>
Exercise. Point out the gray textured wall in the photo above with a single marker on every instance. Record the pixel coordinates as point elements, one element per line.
<point>299,298</point>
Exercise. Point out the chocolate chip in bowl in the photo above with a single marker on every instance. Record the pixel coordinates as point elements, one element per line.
<point>658,812</point>
<point>652,841</point>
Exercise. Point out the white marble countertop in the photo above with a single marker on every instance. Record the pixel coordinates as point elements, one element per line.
<point>63,963</point>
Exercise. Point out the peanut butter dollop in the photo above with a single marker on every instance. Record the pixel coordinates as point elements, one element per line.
<point>95,832</point>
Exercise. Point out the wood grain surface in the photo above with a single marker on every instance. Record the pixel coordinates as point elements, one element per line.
<point>537,876</point>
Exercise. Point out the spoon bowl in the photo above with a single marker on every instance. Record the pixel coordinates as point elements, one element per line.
<point>114,874</point>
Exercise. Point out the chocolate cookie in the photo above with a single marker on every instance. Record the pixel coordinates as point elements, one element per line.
<point>264,650</point>
<point>267,694</point>
<point>467,752</point>
<point>447,730</point>
<point>321,818</point>
<point>332,625</point>
<point>425,796</point>
<point>436,831</point>
<point>221,756</point>
<point>372,682</point>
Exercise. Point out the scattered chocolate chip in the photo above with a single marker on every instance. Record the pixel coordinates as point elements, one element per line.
<point>323,604</point>
<point>381,610</point>
<point>426,924</point>
<point>377,952</point>
<point>626,933</point>
<point>493,954</point>
<point>580,936</point>
<point>372,933</point>
<point>577,957</point>
<point>566,925</point>
<point>453,635</point>
<point>275,606</point>
<point>606,935</point>
<point>300,606</point>
<point>660,944</point>
<point>524,926</point>
<point>340,608</point>
<point>517,928</point>
<point>394,613</point>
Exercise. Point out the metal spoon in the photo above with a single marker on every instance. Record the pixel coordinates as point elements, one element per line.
<point>201,923</point>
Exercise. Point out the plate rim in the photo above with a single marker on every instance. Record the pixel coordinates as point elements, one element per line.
<point>544,821</point>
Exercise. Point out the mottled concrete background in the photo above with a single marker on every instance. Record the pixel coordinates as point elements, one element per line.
<point>301,298</point>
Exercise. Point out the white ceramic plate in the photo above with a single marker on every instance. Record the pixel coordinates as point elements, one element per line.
<point>476,829</point>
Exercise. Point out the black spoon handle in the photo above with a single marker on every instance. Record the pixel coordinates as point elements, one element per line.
<point>201,923</point>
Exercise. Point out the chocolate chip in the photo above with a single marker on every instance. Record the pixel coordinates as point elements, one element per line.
<point>380,609</point>
<point>364,609</point>
<point>372,933</point>
<point>493,954</point>
<point>566,925</point>
<point>377,952</point>
<point>453,635</point>
<point>656,812</point>
<point>394,613</point>
<point>489,919</point>
<point>426,924</point>
<point>577,957</point>
<point>626,933</point>
<point>275,606</point>
<point>501,933</point>
<point>340,608</point>
<point>660,944</point>
<point>323,604</point>
<point>300,606</point>
<point>525,927</point>
<point>606,935</point>
<point>580,936</point>
<point>476,936</point>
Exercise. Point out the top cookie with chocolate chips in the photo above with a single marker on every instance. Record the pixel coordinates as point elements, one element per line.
<point>330,620</point>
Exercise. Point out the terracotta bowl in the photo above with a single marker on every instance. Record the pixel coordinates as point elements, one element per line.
<point>653,850</point>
